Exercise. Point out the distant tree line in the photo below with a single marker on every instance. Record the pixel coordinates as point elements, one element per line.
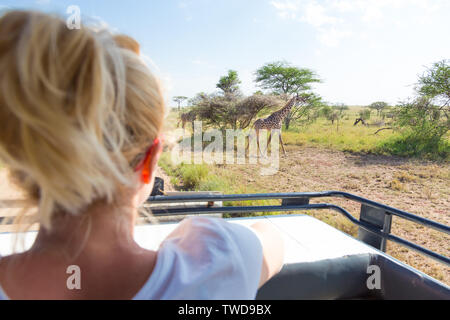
<point>279,80</point>
<point>422,121</point>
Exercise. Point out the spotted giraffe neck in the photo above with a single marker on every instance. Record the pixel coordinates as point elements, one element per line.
<point>280,114</point>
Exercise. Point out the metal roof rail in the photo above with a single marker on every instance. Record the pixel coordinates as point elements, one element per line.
<point>374,223</point>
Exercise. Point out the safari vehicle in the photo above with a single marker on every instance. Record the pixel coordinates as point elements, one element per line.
<point>321,262</point>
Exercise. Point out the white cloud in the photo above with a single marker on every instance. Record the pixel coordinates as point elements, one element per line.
<point>327,16</point>
<point>315,15</point>
<point>287,5</point>
<point>343,5</point>
<point>331,37</point>
<point>286,9</point>
<point>328,26</point>
<point>372,14</point>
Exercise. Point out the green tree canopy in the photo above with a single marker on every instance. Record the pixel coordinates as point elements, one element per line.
<point>340,107</point>
<point>379,106</point>
<point>308,109</point>
<point>198,98</point>
<point>229,84</point>
<point>435,84</point>
<point>179,100</point>
<point>221,111</point>
<point>364,113</point>
<point>281,77</point>
<point>325,111</point>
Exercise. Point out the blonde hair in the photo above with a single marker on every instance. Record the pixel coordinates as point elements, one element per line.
<point>77,107</point>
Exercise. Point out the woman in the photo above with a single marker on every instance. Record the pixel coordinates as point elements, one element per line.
<point>80,121</point>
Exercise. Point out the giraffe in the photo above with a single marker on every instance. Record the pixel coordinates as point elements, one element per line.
<point>274,121</point>
<point>360,120</point>
<point>189,116</point>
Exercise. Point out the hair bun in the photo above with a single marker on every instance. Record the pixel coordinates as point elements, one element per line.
<point>127,42</point>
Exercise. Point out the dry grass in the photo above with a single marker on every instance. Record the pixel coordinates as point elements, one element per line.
<point>403,176</point>
<point>397,185</point>
<point>420,187</point>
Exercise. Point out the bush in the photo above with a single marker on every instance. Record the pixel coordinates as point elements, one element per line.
<point>412,145</point>
<point>364,114</point>
<point>193,175</point>
<point>213,183</point>
<point>396,185</point>
<point>423,130</point>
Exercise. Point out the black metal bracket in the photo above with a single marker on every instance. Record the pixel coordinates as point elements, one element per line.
<point>295,201</point>
<point>378,219</point>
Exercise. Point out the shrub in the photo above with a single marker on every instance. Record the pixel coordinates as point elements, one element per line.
<point>192,175</point>
<point>396,185</point>
<point>413,145</point>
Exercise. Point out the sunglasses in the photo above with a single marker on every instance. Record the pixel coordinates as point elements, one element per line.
<point>145,163</point>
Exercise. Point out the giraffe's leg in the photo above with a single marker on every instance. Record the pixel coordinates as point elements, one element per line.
<point>257,142</point>
<point>249,141</point>
<point>282,146</point>
<point>248,144</point>
<point>268,142</point>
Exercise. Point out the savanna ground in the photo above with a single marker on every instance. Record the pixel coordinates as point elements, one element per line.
<point>351,158</point>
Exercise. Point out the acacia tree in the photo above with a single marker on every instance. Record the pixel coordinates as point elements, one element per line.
<point>379,106</point>
<point>249,107</point>
<point>325,111</point>
<point>179,100</point>
<point>212,109</point>
<point>308,108</point>
<point>364,114</point>
<point>221,111</point>
<point>340,107</point>
<point>435,85</point>
<point>284,79</point>
<point>229,84</point>
<point>197,98</point>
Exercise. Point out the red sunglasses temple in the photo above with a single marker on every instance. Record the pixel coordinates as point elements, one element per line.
<point>146,161</point>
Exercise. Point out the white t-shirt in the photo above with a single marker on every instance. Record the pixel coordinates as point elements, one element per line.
<point>204,258</point>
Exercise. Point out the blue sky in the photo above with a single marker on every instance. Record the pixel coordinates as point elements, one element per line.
<point>364,50</point>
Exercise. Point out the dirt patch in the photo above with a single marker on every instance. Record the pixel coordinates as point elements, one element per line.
<point>161,174</point>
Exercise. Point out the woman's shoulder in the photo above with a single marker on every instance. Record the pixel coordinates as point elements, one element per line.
<point>206,258</point>
<point>214,235</point>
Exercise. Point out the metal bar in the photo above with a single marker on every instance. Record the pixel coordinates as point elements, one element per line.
<point>265,196</point>
<point>316,206</point>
